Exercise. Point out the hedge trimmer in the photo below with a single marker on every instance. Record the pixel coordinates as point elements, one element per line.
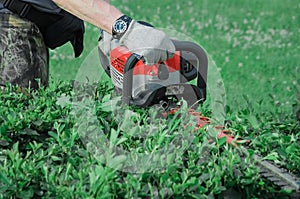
<point>163,84</point>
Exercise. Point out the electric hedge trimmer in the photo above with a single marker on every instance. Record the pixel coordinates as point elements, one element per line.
<point>182,77</point>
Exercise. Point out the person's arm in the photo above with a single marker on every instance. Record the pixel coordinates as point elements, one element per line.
<point>97,12</point>
<point>154,45</point>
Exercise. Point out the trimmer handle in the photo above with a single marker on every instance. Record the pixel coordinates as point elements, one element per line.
<point>202,69</point>
<point>179,46</point>
<point>128,77</point>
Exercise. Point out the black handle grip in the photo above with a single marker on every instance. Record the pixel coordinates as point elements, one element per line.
<point>128,77</point>
<point>201,56</point>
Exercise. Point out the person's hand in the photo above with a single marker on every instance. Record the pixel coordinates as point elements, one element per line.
<point>154,45</point>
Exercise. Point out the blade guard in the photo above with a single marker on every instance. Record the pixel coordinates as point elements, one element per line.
<point>199,89</point>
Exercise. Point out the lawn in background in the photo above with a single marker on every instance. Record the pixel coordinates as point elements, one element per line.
<point>254,44</point>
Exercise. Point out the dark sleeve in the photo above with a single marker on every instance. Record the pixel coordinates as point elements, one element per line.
<point>1,6</point>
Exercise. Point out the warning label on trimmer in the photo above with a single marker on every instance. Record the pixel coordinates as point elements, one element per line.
<point>117,77</point>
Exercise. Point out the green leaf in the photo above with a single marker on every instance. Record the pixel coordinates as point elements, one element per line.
<point>29,131</point>
<point>261,183</point>
<point>53,134</point>
<point>121,140</point>
<point>253,121</point>
<point>222,141</point>
<point>250,152</point>
<point>116,162</point>
<point>55,158</point>
<point>63,100</point>
<point>26,194</point>
<point>291,149</point>
<point>110,105</point>
<point>4,179</point>
<point>106,98</point>
<point>113,136</point>
<point>272,156</point>
<point>4,143</point>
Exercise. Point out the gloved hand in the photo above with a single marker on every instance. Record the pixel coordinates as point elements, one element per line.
<point>107,43</point>
<point>154,45</point>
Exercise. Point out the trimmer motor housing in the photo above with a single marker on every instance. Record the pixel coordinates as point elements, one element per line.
<point>183,76</point>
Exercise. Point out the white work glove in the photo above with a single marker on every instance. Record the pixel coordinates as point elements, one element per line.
<point>154,45</point>
<point>107,43</point>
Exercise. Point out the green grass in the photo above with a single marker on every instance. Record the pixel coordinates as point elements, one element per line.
<point>69,141</point>
<point>254,43</point>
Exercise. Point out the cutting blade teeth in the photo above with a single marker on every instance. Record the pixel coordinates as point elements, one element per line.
<point>281,184</point>
<point>288,188</point>
<point>275,174</point>
<point>268,175</point>
<point>284,170</point>
<point>274,179</point>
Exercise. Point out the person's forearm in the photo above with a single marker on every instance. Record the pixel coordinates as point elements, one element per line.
<point>97,12</point>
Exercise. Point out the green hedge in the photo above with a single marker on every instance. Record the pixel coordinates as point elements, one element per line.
<point>76,141</point>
